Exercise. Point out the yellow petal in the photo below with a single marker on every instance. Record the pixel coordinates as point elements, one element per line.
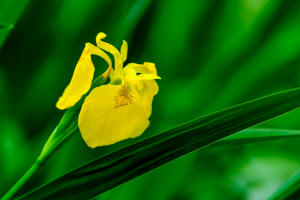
<point>148,77</point>
<point>102,122</point>
<point>82,77</point>
<point>111,49</point>
<point>124,50</point>
<point>146,86</point>
<point>150,89</point>
<point>146,68</point>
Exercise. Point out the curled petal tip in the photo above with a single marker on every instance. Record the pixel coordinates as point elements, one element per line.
<point>100,36</point>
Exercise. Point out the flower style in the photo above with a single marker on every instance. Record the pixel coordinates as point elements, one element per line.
<point>116,111</point>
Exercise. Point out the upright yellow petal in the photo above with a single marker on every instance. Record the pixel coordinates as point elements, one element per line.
<point>103,120</point>
<point>111,49</point>
<point>124,51</point>
<point>82,77</point>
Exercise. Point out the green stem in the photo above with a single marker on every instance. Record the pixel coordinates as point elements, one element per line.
<point>65,128</point>
<point>22,180</point>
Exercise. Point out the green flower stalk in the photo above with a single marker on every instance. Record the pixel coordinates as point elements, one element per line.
<point>65,128</point>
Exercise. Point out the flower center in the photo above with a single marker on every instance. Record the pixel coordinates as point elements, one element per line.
<point>124,96</point>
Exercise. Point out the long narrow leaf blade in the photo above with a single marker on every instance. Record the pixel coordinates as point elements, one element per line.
<point>125,164</point>
<point>258,134</point>
<point>289,190</point>
<point>4,32</point>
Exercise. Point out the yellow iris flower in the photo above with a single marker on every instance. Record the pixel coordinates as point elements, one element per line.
<point>118,110</point>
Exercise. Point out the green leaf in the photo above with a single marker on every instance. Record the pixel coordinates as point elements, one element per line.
<point>4,31</point>
<point>129,23</point>
<point>258,134</point>
<point>123,165</point>
<point>289,190</point>
<point>10,12</point>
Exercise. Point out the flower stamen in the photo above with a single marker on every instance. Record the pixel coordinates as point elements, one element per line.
<point>124,97</point>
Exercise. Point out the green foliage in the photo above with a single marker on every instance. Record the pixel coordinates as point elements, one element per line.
<point>10,11</point>
<point>132,161</point>
<point>4,31</point>
<point>255,135</point>
<point>290,190</point>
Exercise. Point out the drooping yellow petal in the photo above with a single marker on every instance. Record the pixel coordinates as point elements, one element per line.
<point>124,51</point>
<point>150,89</point>
<point>105,120</point>
<point>82,77</point>
<point>111,49</point>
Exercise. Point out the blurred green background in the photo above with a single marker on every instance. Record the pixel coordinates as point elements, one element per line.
<point>210,54</point>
